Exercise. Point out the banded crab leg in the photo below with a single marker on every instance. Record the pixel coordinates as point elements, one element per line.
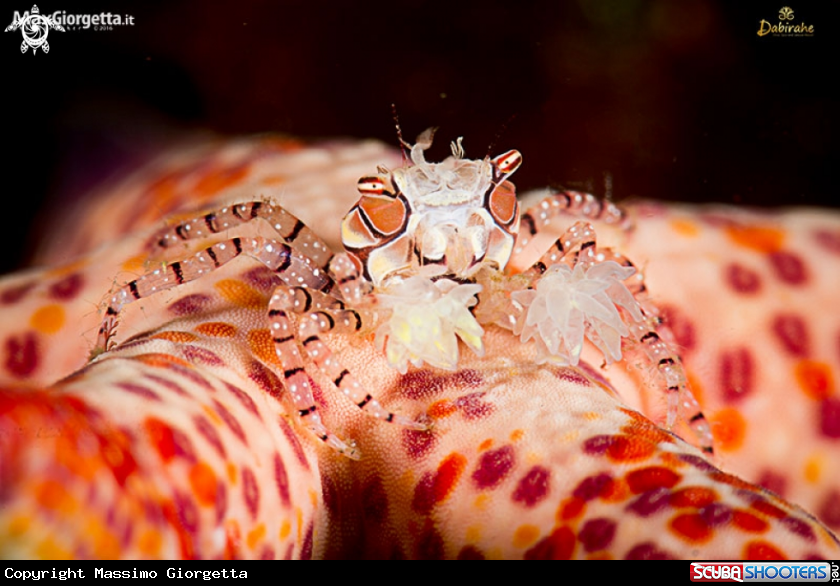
<point>321,314</point>
<point>577,246</point>
<point>575,203</point>
<point>290,265</point>
<point>291,229</point>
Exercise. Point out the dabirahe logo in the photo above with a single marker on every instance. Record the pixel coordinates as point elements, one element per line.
<point>785,28</point>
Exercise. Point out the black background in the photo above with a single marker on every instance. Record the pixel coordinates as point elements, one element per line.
<point>677,100</point>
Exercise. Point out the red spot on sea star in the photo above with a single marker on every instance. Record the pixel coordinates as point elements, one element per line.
<point>250,492</point>
<point>16,293</point>
<point>829,509</point>
<point>592,486</point>
<point>434,488</point>
<point>67,288</point>
<point>769,509</point>
<point>647,551</point>
<point>472,406</point>
<point>202,355</point>
<point>736,374</point>
<point>789,267</point>
<point>22,354</point>
<point>650,502</point>
<point>558,546</point>
<point>493,467</point>
<point>374,501</point>
<point>829,411</point>
<point>742,279</point>
<point>682,328</point>
<point>533,487</point>
<point>231,421</point>
<point>791,331</point>
<point>692,527</point>
<point>190,304</point>
<point>281,478</point>
<point>597,534</point>
<point>651,477</point>
<point>773,481</point>
<point>749,522</point>
<point>829,239</point>
<point>418,443</point>
<point>469,552</point>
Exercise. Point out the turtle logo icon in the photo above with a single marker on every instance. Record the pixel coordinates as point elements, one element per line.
<point>35,27</point>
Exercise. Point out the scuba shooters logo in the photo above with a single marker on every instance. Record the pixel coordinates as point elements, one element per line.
<point>35,26</point>
<point>763,571</point>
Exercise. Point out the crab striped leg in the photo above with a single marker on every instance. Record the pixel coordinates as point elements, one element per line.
<point>287,226</point>
<point>289,265</point>
<point>326,321</point>
<point>314,323</point>
<point>297,382</point>
<point>578,245</point>
<point>349,281</point>
<point>578,241</point>
<point>681,401</point>
<point>574,203</point>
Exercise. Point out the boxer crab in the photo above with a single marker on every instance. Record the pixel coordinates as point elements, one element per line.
<point>427,251</point>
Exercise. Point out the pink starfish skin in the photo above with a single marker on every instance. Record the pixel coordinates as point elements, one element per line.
<point>179,442</point>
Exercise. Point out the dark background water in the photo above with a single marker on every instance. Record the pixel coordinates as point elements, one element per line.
<point>676,100</point>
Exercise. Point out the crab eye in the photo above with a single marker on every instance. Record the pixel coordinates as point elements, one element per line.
<point>508,162</point>
<point>372,186</point>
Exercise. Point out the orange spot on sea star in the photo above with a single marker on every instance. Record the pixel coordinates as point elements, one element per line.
<point>814,379</point>
<point>758,238</point>
<point>629,448</point>
<point>48,319</point>
<point>694,497</point>
<point>240,294</point>
<point>261,344</point>
<point>749,522</point>
<point>761,550</point>
<point>729,429</point>
<point>645,479</point>
<point>217,329</point>
<point>203,483</point>
<point>692,527</point>
<point>174,336</point>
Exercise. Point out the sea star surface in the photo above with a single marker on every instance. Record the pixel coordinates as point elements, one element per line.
<point>179,443</point>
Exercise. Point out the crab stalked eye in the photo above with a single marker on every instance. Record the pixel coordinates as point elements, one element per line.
<point>502,205</point>
<point>508,162</point>
<point>373,185</point>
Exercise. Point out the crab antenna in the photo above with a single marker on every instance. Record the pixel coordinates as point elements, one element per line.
<point>399,132</point>
<point>499,134</point>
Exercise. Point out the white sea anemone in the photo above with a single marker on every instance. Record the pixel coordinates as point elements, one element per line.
<point>569,304</point>
<point>426,320</point>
